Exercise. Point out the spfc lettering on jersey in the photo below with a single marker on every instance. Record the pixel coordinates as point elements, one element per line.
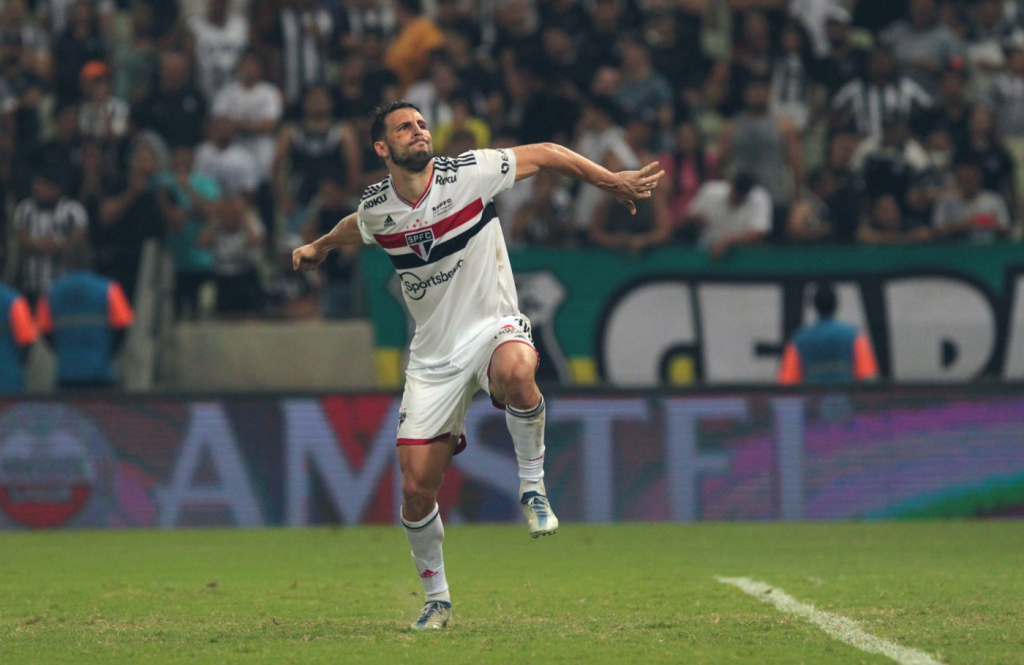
<point>420,242</point>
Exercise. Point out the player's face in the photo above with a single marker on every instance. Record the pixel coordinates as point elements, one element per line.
<point>407,143</point>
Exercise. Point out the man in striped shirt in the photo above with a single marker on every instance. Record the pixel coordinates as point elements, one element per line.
<point>47,221</point>
<point>865,102</point>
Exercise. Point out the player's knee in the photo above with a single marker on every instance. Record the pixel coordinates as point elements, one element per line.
<point>417,498</point>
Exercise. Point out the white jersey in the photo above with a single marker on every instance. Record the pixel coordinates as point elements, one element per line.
<point>448,251</point>
<point>218,50</point>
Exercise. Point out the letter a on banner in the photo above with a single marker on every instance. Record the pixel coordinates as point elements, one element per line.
<point>311,441</point>
<point>209,432</point>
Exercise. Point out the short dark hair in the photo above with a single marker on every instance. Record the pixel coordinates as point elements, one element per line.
<point>825,300</point>
<point>77,256</point>
<point>380,114</point>
<point>743,182</point>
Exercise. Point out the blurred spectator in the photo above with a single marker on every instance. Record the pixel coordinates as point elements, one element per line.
<point>952,109</point>
<point>545,219</point>
<point>433,94</point>
<point>21,95</point>
<point>885,224</point>
<point>814,16</point>
<point>922,44</point>
<point>78,44</point>
<point>791,79</point>
<point>751,57</point>
<point>889,164</point>
<point>17,333</point>
<point>988,28</point>
<point>84,316</point>
<point>174,108</point>
<point>687,167</point>
<point>566,15</point>
<point>137,61</point>
<point>60,155</point>
<point>983,147</point>
<point>102,116</point>
<point>518,41</point>
<point>614,226</point>
<point>359,20</point>
<point>460,141</point>
<point>673,34</point>
<point>810,217</point>
<point>845,60</point>
<point>606,24</point>
<point>59,15</point>
<point>129,215</point>
<point>644,93</point>
<point>188,200</point>
<point>1005,97</point>
<point>310,150</point>
<point>934,183</point>
<point>220,158</point>
<point>601,139</point>
<point>562,63</point>
<point>863,103</point>
<point>763,146</point>
<point>462,120</point>
<point>236,237</point>
<point>972,212</point>
<point>220,39</point>
<point>255,107</point>
<point>47,222</point>
<point>731,213</point>
<point>34,40</point>
<point>417,36</point>
<point>827,351</point>
<point>475,74</point>
<point>305,30</point>
<point>338,293</point>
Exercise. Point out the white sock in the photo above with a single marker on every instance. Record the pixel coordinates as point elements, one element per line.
<point>527,430</point>
<point>425,539</point>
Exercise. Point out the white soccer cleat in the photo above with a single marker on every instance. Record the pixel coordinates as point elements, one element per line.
<point>435,615</point>
<point>539,516</point>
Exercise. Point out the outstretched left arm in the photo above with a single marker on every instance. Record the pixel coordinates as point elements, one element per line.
<point>625,186</point>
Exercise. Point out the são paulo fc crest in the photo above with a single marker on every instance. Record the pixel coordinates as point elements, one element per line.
<point>420,242</point>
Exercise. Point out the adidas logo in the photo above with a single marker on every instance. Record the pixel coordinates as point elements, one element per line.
<point>388,221</point>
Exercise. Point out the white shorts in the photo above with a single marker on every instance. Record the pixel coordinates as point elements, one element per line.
<point>435,401</point>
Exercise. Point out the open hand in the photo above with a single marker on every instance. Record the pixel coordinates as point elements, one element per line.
<point>632,185</point>
<point>307,257</point>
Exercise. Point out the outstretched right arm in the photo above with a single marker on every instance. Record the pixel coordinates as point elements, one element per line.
<point>346,232</point>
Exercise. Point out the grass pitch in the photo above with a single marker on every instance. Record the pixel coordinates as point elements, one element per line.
<point>590,594</point>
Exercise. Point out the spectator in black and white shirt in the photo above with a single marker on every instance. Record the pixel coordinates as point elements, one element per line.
<point>305,35</point>
<point>47,222</point>
<point>102,116</point>
<point>862,104</point>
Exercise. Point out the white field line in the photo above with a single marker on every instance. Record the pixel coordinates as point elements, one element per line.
<point>837,627</point>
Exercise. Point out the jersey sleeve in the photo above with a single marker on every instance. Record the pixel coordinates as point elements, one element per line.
<point>363,222</point>
<point>865,365</point>
<point>22,326</point>
<point>790,372</point>
<point>497,170</point>
<point>119,312</point>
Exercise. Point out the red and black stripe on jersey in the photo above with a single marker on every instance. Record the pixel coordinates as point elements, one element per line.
<point>441,248</point>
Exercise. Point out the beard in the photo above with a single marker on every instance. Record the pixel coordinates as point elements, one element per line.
<point>414,162</point>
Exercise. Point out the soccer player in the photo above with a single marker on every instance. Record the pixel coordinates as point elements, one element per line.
<point>435,218</point>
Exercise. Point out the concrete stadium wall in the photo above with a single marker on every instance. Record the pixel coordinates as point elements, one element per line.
<point>259,355</point>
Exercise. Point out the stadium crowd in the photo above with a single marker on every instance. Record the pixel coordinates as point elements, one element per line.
<point>231,133</point>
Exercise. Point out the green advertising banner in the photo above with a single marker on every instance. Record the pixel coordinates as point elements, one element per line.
<point>935,313</point>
